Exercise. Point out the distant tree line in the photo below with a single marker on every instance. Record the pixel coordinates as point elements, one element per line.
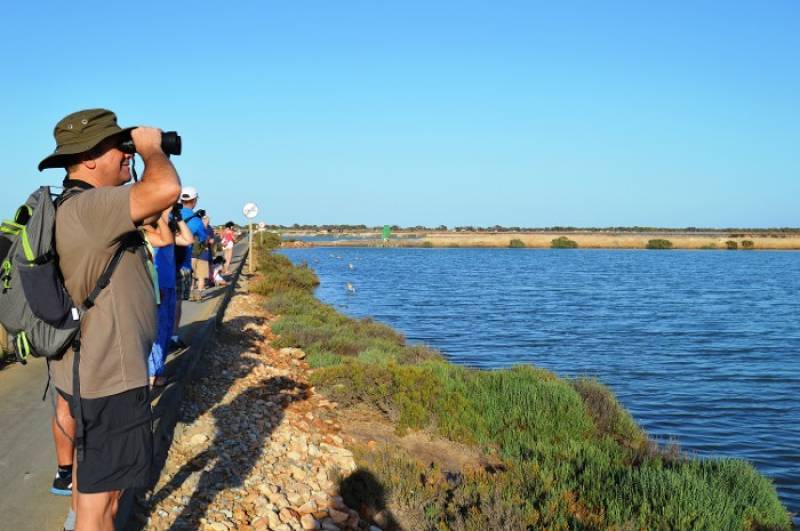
<point>736,232</point>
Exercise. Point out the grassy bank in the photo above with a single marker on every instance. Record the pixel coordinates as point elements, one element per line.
<point>564,454</point>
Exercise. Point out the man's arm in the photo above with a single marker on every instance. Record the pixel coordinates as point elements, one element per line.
<point>161,235</point>
<point>184,236</point>
<point>160,185</point>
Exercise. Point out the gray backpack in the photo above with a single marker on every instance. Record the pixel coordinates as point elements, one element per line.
<point>35,307</point>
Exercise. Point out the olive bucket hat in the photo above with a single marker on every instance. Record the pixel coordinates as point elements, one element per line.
<point>80,132</point>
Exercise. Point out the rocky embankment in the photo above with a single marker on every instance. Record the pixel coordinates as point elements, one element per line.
<point>255,448</point>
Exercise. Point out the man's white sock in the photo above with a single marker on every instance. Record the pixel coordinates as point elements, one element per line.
<point>69,523</point>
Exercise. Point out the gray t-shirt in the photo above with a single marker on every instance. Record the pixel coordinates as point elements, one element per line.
<point>118,332</point>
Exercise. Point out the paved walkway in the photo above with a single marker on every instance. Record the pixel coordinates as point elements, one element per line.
<point>27,454</point>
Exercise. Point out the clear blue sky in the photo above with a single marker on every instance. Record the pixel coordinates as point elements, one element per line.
<point>458,113</point>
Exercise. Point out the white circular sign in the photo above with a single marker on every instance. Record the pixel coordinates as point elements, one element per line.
<point>250,210</point>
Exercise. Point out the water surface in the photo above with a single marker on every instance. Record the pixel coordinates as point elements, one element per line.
<point>700,346</point>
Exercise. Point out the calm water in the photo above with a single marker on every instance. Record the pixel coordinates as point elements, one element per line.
<point>701,346</point>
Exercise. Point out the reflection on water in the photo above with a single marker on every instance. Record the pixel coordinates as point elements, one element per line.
<point>701,346</point>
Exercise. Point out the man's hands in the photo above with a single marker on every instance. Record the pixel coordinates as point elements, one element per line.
<point>147,141</point>
<point>159,188</point>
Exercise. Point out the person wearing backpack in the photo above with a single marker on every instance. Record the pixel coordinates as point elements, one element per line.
<point>110,399</point>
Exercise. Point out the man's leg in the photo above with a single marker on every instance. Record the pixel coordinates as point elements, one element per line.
<point>63,426</point>
<point>228,257</point>
<point>118,455</point>
<point>96,511</point>
<point>201,272</point>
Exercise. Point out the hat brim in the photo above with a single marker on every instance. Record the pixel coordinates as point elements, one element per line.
<point>64,157</point>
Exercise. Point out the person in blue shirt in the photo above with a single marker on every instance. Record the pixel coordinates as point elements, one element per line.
<point>164,259</point>
<point>183,254</point>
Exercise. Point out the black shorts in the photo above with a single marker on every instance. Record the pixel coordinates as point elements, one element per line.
<point>119,441</point>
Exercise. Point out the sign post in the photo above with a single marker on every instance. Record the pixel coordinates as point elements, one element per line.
<point>250,211</point>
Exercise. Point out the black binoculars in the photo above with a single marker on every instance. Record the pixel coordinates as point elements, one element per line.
<point>170,144</point>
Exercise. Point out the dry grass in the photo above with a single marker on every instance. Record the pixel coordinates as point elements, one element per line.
<point>543,240</point>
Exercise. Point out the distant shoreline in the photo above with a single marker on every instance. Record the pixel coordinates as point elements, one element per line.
<point>542,240</point>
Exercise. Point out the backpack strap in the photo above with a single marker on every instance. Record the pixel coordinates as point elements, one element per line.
<point>105,279</point>
<point>129,243</point>
<point>72,187</point>
<point>80,429</point>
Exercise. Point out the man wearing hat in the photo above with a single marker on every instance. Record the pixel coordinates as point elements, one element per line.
<point>118,331</point>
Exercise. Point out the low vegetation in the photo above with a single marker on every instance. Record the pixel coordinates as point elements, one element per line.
<point>361,228</point>
<point>659,243</point>
<point>562,242</point>
<point>564,454</point>
<point>731,245</point>
<point>516,244</point>
<point>747,245</point>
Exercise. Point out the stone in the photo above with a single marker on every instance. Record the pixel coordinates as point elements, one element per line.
<point>294,498</point>
<point>198,439</point>
<point>274,519</point>
<point>307,508</point>
<point>382,518</point>
<point>260,523</point>
<point>308,522</point>
<point>336,502</point>
<point>286,516</point>
<point>278,499</point>
<point>295,353</point>
<point>338,517</point>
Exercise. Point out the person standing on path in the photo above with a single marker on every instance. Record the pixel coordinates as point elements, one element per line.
<point>194,220</point>
<point>178,234</point>
<point>183,259</point>
<point>228,240</point>
<point>118,331</point>
<point>207,254</point>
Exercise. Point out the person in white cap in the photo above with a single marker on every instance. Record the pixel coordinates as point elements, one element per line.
<point>183,255</point>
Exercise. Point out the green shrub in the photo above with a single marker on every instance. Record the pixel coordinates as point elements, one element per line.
<point>659,243</point>
<point>516,244</point>
<point>747,245</point>
<point>710,246</point>
<point>609,417</point>
<point>277,274</point>
<point>731,245</point>
<point>266,240</point>
<point>426,244</point>
<point>576,486</point>
<point>562,242</point>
